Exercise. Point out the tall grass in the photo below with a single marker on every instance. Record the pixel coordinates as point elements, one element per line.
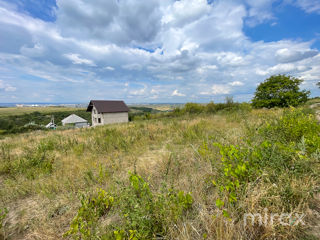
<point>188,175</point>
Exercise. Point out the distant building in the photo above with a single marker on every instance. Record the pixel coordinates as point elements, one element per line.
<point>107,112</point>
<point>75,120</point>
<point>51,124</point>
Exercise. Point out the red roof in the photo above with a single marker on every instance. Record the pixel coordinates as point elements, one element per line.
<point>105,106</point>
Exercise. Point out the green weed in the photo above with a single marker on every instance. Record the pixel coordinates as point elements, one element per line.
<point>84,224</point>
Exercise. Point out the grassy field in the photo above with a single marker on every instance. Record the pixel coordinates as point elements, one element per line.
<point>12,111</point>
<point>159,107</point>
<point>16,120</point>
<point>190,176</point>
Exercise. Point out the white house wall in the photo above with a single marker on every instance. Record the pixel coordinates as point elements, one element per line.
<point>94,116</point>
<point>108,118</point>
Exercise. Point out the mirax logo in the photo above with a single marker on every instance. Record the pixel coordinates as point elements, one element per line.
<point>270,219</point>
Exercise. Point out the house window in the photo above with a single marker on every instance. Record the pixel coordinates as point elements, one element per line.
<point>94,111</point>
<point>99,120</point>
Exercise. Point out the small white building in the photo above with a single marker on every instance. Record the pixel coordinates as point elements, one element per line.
<point>107,112</point>
<point>51,124</point>
<point>75,120</point>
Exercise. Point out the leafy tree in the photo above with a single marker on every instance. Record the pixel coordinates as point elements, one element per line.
<point>318,84</point>
<point>279,91</point>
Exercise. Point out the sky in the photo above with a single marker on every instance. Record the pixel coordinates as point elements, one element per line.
<point>154,51</point>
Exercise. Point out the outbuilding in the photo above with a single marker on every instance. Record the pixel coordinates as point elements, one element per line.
<point>107,112</point>
<point>75,120</point>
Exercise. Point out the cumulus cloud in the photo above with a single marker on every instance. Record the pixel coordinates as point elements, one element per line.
<point>177,93</point>
<point>309,5</point>
<point>138,92</point>
<point>220,89</point>
<point>132,66</point>
<point>259,11</point>
<point>286,55</point>
<point>145,51</point>
<point>6,87</point>
<point>217,89</point>
<point>184,12</point>
<point>76,59</point>
<point>236,83</point>
<point>109,68</point>
<point>119,22</point>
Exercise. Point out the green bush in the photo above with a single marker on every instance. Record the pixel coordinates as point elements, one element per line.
<point>193,108</point>
<point>144,215</point>
<point>291,127</point>
<point>148,215</point>
<point>211,107</point>
<point>84,224</point>
<point>237,168</point>
<point>279,151</point>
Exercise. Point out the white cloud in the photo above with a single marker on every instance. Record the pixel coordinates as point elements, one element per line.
<point>177,93</point>
<point>139,92</point>
<point>259,11</point>
<point>217,89</point>
<point>183,12</point>
<point>119,22</point>
<point>205,68</point>
<point>76,59</point>
<point>132,66</point>
<point>230,58</point>
<point>220,89</point>
<point>6,87</point>
<point>146,50</point>
<point>286,55</point>
<point>309,5</point>
<point>10,89</point>
<point>236,83</point>
<point>109,68</point>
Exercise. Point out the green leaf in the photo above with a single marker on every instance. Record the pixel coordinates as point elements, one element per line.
<point>219,203</point>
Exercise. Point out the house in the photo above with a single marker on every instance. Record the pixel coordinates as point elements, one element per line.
<point>75,120</point>
<point>106,112</point>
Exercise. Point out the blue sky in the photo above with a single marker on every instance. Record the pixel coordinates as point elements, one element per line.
<point>155,50</point>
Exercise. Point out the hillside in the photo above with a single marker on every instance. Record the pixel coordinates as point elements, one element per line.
<point>14,111</point>
<point>189,176</point>
<point>16,119</point>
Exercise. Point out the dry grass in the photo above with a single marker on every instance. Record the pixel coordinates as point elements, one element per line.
<point>42,206</point>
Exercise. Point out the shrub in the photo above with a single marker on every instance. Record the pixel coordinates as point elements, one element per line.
<point>84,224</point>
<point>237,169</point>
<point>148,215</point>
<point>211,107</point>
<point>278,152</point>
<point>193,108</point>
<point>291,127</point>
<point>144,215</point>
